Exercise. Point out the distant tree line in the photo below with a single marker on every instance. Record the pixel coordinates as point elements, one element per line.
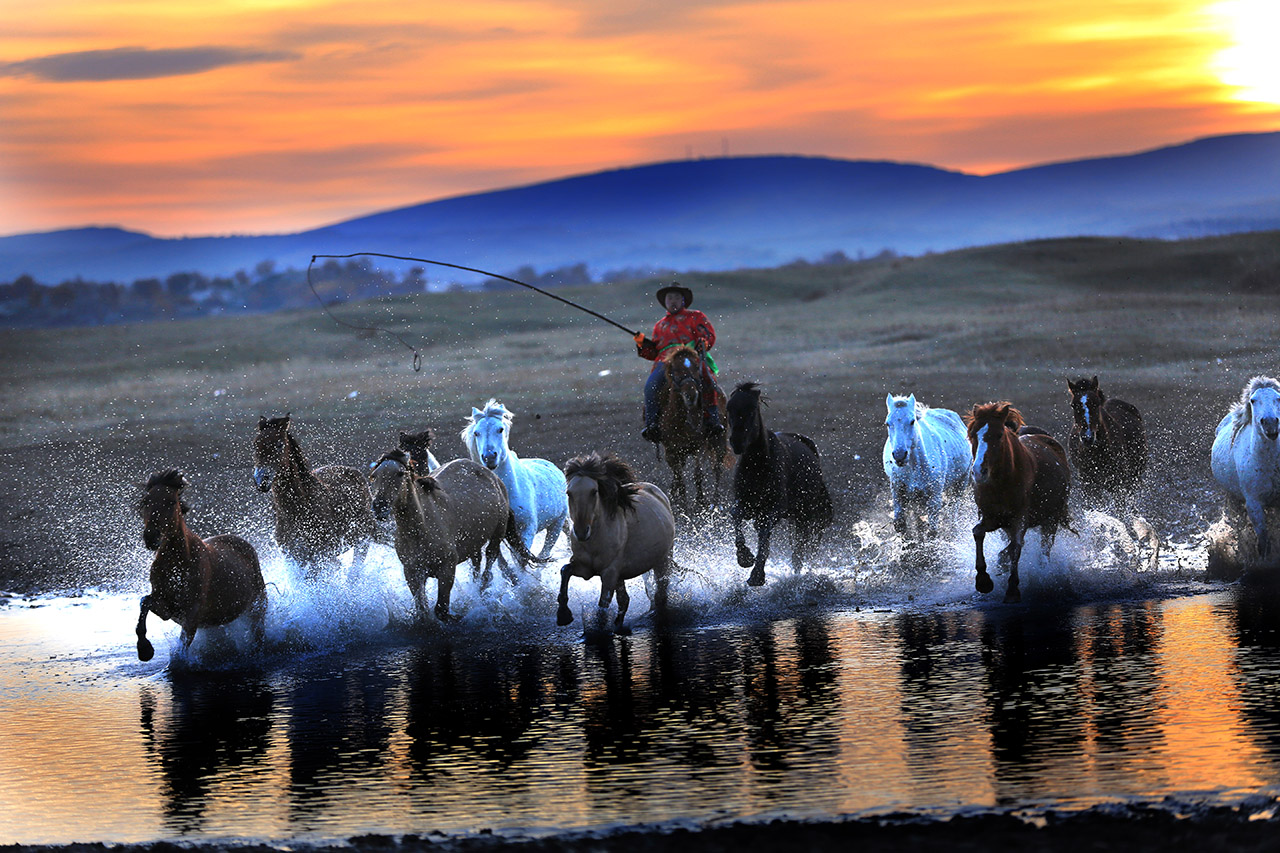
<point>26,302</point>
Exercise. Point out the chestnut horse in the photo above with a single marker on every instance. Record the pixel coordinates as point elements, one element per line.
<point>1020,481</point>
<point>620,528</point>
<point>1107,444</point>
<point>195,582</point>
<point>778,477</point>
<point>681,425</point>
<point>457,512</point>
<point>319,514</point>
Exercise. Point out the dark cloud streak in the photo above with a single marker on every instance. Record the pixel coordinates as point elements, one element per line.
<point>137,63</point>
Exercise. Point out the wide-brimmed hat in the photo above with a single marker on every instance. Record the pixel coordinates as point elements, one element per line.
<point>675,287</point>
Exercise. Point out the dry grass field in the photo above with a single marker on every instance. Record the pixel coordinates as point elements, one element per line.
<point>85,414</point>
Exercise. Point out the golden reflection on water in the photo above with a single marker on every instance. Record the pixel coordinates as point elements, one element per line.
<point>820,715</point>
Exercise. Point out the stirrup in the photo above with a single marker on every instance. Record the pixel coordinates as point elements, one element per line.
<point>651,433</point>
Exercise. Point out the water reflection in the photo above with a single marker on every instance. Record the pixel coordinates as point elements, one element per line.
<point>213,727</point>
<point>824,714</point>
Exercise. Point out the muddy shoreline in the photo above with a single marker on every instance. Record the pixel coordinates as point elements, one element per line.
<point>1249,827</point>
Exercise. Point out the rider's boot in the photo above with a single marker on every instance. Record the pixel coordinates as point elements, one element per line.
<point>651,432</point>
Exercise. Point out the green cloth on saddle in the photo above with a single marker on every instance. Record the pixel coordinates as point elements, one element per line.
<point>706,356</point>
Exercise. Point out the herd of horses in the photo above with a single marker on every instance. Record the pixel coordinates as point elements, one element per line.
<point>620,528</point>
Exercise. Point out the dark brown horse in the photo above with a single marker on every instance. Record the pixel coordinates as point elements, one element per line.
<point>1020,481</point>
<point>778,477</point>
<point>418,446</point>
<point>1107,444</point>
<point>319,514</point>
<point>681,424</point>
<point>195,582</point>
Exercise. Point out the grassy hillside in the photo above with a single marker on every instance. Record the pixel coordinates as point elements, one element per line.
<point>1176,328</point>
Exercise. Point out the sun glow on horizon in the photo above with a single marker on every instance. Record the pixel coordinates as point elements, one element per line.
<point>1251,64</point>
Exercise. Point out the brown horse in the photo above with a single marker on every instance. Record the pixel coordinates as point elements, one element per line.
<point>455,514</point>
<point>1107,444</point>
<point>195,582</point>
<point>620,528</point>
<point>418,446</point>
<point>1020,481</point>
<point>681,425</point>
<point>319,514</point>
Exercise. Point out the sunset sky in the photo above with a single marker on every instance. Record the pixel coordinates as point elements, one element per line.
<point>260,116</point>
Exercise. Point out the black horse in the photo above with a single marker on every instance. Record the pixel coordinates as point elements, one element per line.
<point>1107,444</point>
<point>778,476</point>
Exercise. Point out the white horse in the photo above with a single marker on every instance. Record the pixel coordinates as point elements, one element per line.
<point>1246,455</point>
<point>535,487</point>
<point>926,457</point>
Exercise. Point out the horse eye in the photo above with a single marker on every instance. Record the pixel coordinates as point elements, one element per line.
<point>913,422</point>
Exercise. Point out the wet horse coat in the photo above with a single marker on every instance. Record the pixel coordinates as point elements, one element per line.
<point>1107,444</point>
<point>778,477</point>
<point>926,458</point>
<point>683,434</point>
<point>195,582</point>
<point>1246,455</point>
<point>1020,481</point>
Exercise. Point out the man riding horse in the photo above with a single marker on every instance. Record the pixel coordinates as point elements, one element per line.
<point>680,326</point>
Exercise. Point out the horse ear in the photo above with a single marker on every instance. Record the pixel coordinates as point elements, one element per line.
<point>1003,411</point>
<point>1071,386</point>
<point>1095,382</point>
<point>182,506</point>
<point>888,401</point>
<point>911,404</point>
<point>475,413</point>
<point>262,422</point>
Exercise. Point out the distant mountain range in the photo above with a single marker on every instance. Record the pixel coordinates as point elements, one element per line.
<point>731,212</point>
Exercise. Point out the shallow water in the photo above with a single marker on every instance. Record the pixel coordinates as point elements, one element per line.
<point>880,686</point>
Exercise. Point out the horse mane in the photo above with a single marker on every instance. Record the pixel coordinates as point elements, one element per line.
<point>615,478</point>
<point>986,411</point>
<point>901,403</point>
<point>754,388</point>
<point>1242,412</point>
<point>416,444</point>
<point>492,409</point>
<point>398,456</point>
<point>172,478</point>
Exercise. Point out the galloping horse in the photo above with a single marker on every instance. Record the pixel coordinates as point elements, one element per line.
<point>441,519</point>
<point>319,514</point>
<point>621,528</point>
<point>926,457</point>
<point>680,422</point>
<point>1246,455</point>
<point>1107,444</point>
<point>778,476</point>
<point>1020,481</point>
<point>195,582</point>
<point>418,446</point>
<point>535,487</point>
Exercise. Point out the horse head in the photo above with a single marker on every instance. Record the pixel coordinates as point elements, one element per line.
<point>417,445</point>
<point>597,484</point>
<point>486,434</point>
<point>684,381</point>
<point>901,423</point>
<point>270,450</point>
<point>746,425</point>
<point>1263,406</point>
<point>162,507</point>
<point>386,476</point>
<point>992,426</point>
<point>1086,404</point>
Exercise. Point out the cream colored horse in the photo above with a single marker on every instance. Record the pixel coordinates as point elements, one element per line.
<point>619,529</point>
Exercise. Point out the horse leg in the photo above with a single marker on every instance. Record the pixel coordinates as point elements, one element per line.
<point>485,577</point>
<point>764,531</point>
<point>700,500</point>
<point>609,581</point>
<point>1258,517</point>
<point>1012,593</point>
<point>258,618</point>
<point>564,616</point>
<point>553,528</point>
<point>661,582</point>
<point>745,558</point>
<point>493,551</point>
<point>145,650</point>
<point>982,582</point>
<point>444,588</point>
<point>933,512</point>
<point>358,555</point>
<point>417,582</point>
<point>624,601</point>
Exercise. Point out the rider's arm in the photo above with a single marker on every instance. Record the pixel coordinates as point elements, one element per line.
<point>645,348</point>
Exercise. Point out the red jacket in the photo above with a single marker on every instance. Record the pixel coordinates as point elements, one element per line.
<point>674,329</point>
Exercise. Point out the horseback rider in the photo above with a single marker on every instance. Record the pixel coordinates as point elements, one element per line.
<point>680,326</point>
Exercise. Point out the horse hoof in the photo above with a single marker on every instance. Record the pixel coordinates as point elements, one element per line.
<point>745,558</point>
<point>622,630</point>
<point>756,579</point>
<point>145,650</point>
<point>1012,596</point>
<point>564,616</point>
<point>983,583</point>
<point>443,615</point>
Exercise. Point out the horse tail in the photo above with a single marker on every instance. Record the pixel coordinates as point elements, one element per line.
<point>513,539</point>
